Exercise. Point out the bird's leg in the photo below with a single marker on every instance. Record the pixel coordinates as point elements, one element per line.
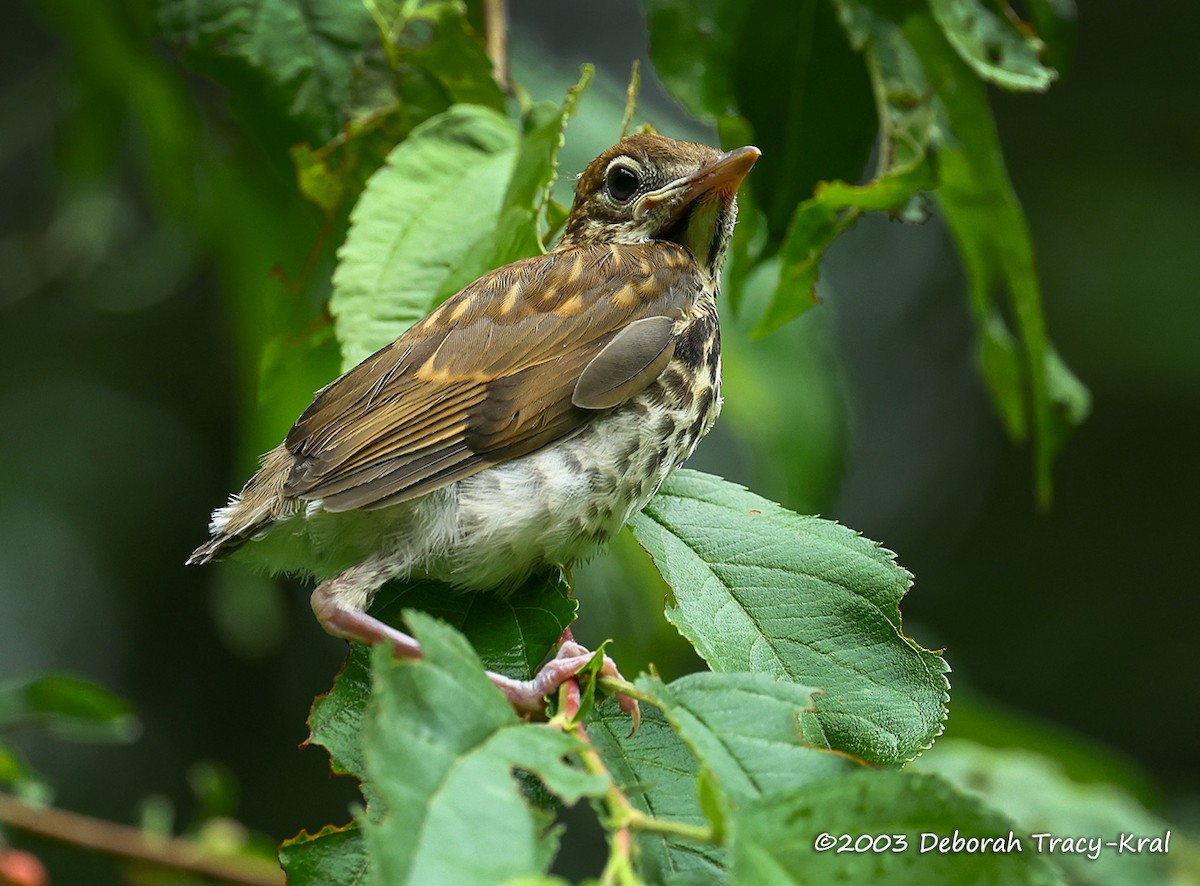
<point>332,603</point>
<point>356,625</point>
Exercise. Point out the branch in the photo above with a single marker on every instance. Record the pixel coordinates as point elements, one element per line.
<point>495,24</point>
<point>128,842</point>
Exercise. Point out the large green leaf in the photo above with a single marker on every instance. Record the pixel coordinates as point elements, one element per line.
<point>295,57</point>
<point>759,588</point>
<point>657,772</point>
<point>438,193</point>
<point>794,838</point>
<point>440,745</point>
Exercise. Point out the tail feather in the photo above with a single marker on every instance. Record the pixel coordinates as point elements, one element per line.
<point>250,513</point>
<point>215,548</point>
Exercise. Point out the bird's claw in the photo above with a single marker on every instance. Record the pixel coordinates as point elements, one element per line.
<point>529,696</point>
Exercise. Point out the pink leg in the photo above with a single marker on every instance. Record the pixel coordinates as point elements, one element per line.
<point>527,696</point>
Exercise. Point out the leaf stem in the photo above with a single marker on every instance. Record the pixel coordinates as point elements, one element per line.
<point>624,817</point>
<point>128,842</point>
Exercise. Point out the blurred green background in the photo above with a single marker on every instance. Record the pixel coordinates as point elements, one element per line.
<point>139,222</point>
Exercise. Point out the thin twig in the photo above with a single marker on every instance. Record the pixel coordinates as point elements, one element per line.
<point>127,842</point>
<point>495,24</point>
<point>631,96</point>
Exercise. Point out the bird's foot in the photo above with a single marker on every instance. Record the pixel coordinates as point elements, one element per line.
<point>526,696</point>
<point>529,696</point>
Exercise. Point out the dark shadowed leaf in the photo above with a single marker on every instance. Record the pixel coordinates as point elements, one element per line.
<point>289,57</point>
<point>810,110</point>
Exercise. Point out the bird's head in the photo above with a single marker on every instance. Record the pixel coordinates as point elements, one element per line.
<point>647,187</point>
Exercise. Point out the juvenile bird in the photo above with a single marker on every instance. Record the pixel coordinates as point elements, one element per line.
<point>522,422</point>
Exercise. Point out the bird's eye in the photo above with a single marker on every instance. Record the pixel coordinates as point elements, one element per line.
<point>622,183</point>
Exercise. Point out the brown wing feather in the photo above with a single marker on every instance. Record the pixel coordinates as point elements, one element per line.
<point>485,378</point>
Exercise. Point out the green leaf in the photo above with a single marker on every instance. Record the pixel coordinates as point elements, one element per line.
<point>440,745</point>
<point>759,588</point>
<point>518,231</point>
<point>289,57</point>
<point>906,124</point>
<point>69,706</point>
<point>756,734</point>
<point>773,838</point>
<point>436,38</point>
<point>989,228</point>
<point>657,772</point>
<point>818,222</point>
<point>1033,790</point>
<point>438,193</point>
<point>810,109</point>
<point>331,857</point>
<point>992,45</point>
<point>13,768</point>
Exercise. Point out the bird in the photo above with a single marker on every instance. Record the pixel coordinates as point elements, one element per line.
<point>521,423</point>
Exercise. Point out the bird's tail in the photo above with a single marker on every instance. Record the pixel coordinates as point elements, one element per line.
<point>250,513</point>
<point>216,548</point>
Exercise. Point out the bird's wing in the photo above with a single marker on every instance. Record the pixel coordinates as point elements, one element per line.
<point>518,360</point>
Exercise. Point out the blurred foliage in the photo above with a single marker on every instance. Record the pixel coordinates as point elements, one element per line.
<point>167,250</point>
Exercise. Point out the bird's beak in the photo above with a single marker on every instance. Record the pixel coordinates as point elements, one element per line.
<point>724,175</point>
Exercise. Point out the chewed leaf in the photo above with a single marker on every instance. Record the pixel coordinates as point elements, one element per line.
<point>992,45</point>
<point>441,747</point>
<point>759,588</point>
